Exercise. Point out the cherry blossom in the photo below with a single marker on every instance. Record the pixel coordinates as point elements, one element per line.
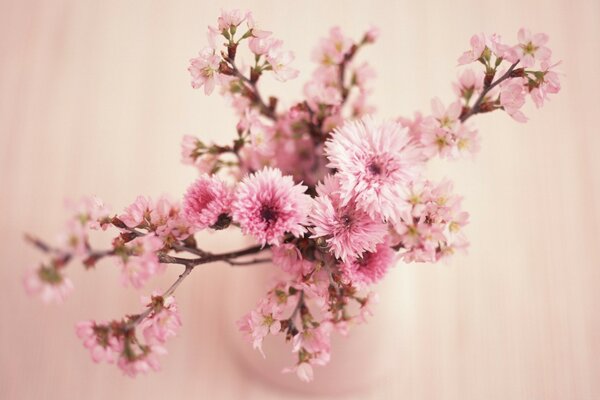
<point>49,283</point>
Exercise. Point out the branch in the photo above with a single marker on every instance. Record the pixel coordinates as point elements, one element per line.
<point>298,306</point>
<point>140,317</point>
<point>190,264</point>
<point>477,105</point>
<point>204,257</point>
<point>249,262</point>
<point>253,88</point>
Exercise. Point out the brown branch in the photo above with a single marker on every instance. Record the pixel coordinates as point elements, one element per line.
<point>190,264</point>
<point>298,306</point>
<point>348,57</point>
<point>249,262</point>
<point>140,317</point>
<point>251,86</point>
<point>204,257</point>
<point>40,245</point>
<point>291,325</point>
<point>477,105</point>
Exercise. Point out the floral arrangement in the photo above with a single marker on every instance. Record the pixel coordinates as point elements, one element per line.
<point>331,196</point>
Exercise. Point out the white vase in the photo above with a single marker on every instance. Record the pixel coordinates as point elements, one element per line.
<point>358,361</point>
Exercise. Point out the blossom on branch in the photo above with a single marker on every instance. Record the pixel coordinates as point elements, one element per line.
<point>333,197</point>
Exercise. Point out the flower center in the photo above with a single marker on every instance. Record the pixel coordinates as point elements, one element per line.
<point>363,261</point>
<point>268,214</point>
<point>374,168</point>
<point>346,220</point>
<point>529,48</point>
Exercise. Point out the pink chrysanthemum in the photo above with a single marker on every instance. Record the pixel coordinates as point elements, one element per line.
<point>370,267</point>
<point>208,202</point>
<point>373,162</point>
<point>267,205</point>
<point>348,230</point>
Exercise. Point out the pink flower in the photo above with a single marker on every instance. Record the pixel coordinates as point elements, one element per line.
<point>267,205</point>
<point>194,152</point>
<point>313,346</point>
<point>370,267</point>
<point>288,257</point>
<point>164,320</point>
<point>547,83</point>
<point>230,18</point>
<point>373,161</point>
<point>478,43</point>
<point>314,340</point>
<point>98,339</point>
<point>372,35</point>
<point>360,107</point>
<point>207,202</point>
<point>279,61</point>
<point>190,147</point>
<point>431,230</point>
<point>49,283</point>
<point>512,97</point>
<point>366,306</point>
<point>315,286</point>
<point>148,360</point>
<point>532,47</point>
<point>414,126</point>
<point>362,75</point>
<point>469,83</point>
<point>205,70</point>
<point>141,261</point>
<point>261,45</point>
<point>502,50</point>
<point>447,117</point>
<point>348,230</point>
<point>303,371</point>
<point>163,217</point>
<point>317,93</point>
<point>331,50</point>
<point>467,140</point>
<point>262,321</point>
<point>167,220</point>
<point>137,213</point>
<point>437,140</point>
<point>74,239</point>
<point>259,150</point>
<point>90,212</point>
<point>253,26</point>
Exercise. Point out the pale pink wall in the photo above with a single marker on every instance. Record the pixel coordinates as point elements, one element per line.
<point>94,97</point>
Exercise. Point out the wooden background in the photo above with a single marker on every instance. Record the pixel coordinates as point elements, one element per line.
<point>94,97</point>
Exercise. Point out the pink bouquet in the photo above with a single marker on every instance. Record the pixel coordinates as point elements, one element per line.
<point>330,195</point>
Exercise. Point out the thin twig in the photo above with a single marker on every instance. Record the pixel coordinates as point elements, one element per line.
<point>298,306</point>
<point>196,251</point>
<point>249,262</point>
<point>257,99</point>
<point>190,264</point>
<point>476,106</point>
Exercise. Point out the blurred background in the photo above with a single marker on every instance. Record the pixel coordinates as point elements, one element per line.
<point>95,96</point>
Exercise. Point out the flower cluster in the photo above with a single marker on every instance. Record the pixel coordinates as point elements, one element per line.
<point>432,228</point>
<point>334,196</point>
<point>117,342</point>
